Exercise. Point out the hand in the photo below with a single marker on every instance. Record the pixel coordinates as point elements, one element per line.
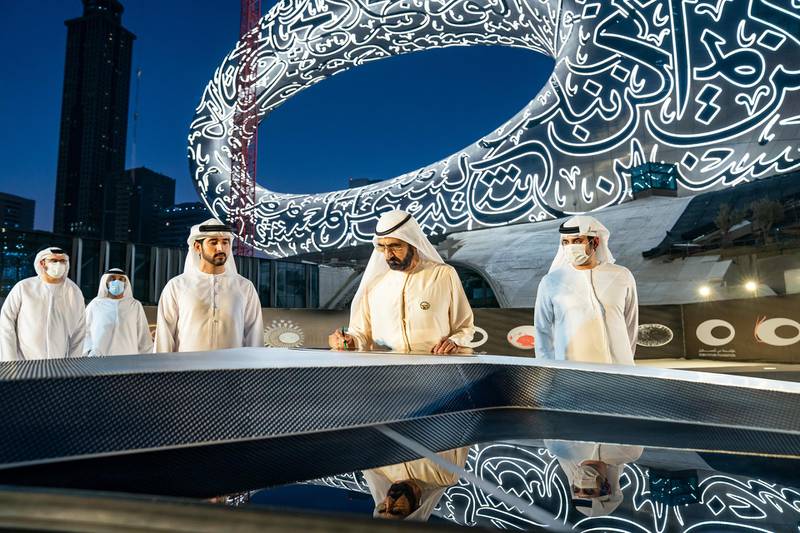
<point>341,341</point>
<point>444,347</point>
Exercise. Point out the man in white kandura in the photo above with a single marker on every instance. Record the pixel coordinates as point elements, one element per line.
<point>586,306</point>
<point>593,470</point>
<point>42,317</point>
<point>210,306</point>
<point>115,321</point>
<point>410,491</point>
<point>409,301</point>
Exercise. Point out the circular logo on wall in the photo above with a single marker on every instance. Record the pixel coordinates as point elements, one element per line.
<point>522,337</point>
<point>767,331</point>
<point>654,335</point>
<point>283,334</point>
<point>715,332</point>
<point>482,338</point>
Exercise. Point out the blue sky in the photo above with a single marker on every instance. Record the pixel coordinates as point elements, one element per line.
<point>375,121</point>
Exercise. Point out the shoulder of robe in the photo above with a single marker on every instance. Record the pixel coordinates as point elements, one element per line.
<point>564,279</point>
<point>73,288</point>
<point>18,287</point>
<point>556,276</point>
<point>173,283</point>
<point>615,454</point>
<point>244,281</point>
<point>619,269</point>
<point>378,279</point>
<point>442,269</point>
<point>28,282</point>
<point>27,288</point>
<point>545,279</point>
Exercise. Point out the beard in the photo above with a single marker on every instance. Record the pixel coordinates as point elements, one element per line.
<point>401,264</point>
<point>216,260</point>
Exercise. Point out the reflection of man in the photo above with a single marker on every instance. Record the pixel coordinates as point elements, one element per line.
<point>410,491</point>
<point>586,306</point>
<point>115,321</point>
<point>42,317</point>
<point>210,306</point>
<point>409,300</point>
<point>593,470</point>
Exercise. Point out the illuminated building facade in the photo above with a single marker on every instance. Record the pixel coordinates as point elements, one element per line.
<point>709,87</point>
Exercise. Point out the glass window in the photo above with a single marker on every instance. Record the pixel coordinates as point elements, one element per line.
<point>290,284</point>
<point>478,291</point>
<point>140,277</point>
<point>313,285</point>
<point>659,176</point>
<point>117,255</point>
<point>264,282</point>
<point>90,268</point>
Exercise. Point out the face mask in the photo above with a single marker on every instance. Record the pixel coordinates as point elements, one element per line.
<point>116,287</point>
<point>56,270</point>
<point>576,254</point>
<point>586,477</point>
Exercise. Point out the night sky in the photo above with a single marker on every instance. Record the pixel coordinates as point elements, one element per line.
<point>376,121</point>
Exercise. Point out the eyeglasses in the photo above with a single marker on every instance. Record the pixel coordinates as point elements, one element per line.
<point>394,248</point>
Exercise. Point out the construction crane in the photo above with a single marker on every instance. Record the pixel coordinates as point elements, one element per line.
<point>245,147</point>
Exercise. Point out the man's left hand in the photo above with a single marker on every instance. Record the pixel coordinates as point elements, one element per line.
<point>444,347</point>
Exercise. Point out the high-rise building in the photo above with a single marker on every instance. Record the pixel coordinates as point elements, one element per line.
<point>94,119</point>
<point>176,221</point>
<point>135,204</point>
<point>16,212</point>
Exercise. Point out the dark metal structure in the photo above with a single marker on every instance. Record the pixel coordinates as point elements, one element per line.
<point>220,422</point>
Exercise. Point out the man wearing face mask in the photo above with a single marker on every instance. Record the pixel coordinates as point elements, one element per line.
<point>115,321</point>
<point>586,306</point>
<point>210,306</point>
<point>42,317</point>
<point>593,470</point>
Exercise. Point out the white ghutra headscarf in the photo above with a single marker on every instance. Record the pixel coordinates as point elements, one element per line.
<point>102,290</point>
<point>44,254</point>
<point>398,225</point>
<point>208,229</point>
<point>590,227</point>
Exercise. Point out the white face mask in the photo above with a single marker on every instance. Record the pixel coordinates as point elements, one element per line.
<point>576,254</point>
<point>56,270</point>
<point>586,477</point>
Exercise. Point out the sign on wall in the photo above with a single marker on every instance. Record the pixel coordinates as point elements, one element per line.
<point>763,329</point>
<point>755,329</point>
<point>497,331</point>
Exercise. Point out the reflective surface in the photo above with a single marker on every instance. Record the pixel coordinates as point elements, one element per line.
<point>214,423</point>
<point>661,490</point>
